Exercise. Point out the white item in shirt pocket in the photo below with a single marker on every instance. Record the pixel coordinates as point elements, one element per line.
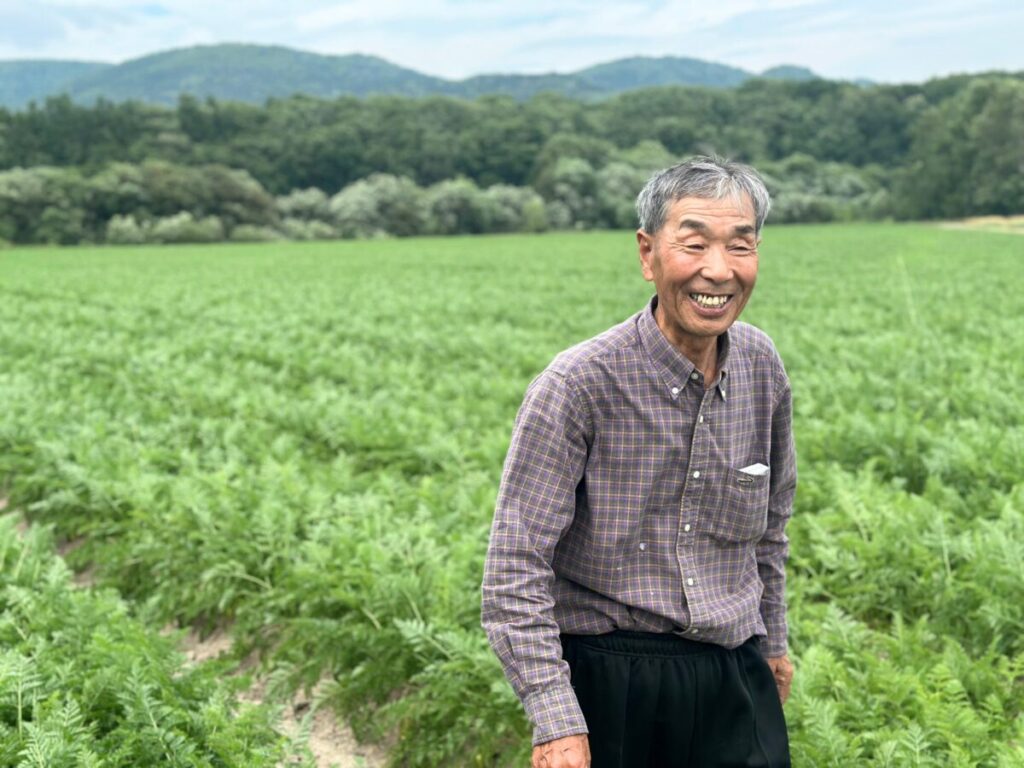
<point>755,470</point>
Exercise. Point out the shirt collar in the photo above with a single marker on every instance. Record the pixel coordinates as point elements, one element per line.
<point>675,368</point>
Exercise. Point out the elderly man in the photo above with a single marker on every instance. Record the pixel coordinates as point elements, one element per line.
<point>634,583</point>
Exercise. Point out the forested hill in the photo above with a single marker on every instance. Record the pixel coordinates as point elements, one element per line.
<point>254,73</point>
<point>24,81</point>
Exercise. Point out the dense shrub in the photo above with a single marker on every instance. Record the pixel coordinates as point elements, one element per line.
<point>304,204</point>
<point>515,209</point>
<point>300,229</point>
<point>456,207</point>
<point>158,202</point>
<point>42,205</point>
<point>125,230</point>
<point>252,233</point>
<point>377,206</point>
<point>185,228</point>
<point>572,184</point>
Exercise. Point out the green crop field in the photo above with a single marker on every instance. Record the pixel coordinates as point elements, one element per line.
<point>302,442</point>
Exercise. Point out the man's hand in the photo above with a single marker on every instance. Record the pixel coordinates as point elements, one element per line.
<point>782,671</point>
<point>567,752</point>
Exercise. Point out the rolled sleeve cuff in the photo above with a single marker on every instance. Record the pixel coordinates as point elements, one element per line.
<point>774,645</point>
<point>773,648</point>
<point>555,713</point>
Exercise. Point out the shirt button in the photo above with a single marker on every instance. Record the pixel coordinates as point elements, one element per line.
<point>694,631</point>
<point>700,419</point>
<point>696,474</point>
<point>643,546</point>
<point>675,390</point>
<point>694,375</point>
<point>689,582</point>
<point>686,527</point>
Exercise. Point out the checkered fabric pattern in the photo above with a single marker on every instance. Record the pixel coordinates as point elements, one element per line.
<point>622,506</point>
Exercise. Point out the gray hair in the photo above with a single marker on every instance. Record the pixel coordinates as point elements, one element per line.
<point>708,178</point>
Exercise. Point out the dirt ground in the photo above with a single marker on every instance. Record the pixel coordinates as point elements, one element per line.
<point>332,743</point>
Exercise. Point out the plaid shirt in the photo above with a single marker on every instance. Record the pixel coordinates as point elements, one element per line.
<point>622,507</point>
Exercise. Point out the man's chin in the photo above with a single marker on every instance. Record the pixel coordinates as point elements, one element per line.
<point>702,325</point>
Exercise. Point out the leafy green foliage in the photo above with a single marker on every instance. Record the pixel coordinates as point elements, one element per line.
<point>307,438</point>
<point>84,684</point>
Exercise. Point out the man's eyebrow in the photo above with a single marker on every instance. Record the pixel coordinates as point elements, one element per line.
<point>700,226</point>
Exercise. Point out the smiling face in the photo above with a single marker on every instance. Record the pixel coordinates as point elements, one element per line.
<point>703,263</point>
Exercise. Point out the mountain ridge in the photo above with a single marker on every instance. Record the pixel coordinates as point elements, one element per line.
<point>253,73</point>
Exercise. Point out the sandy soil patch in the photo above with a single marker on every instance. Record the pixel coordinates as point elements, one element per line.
<point>198,649</point>
<point>331,742</point>
<point>87,576</point>
<point>1008,224</point>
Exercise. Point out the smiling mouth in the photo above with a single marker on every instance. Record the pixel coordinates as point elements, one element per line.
<point>711,301</point>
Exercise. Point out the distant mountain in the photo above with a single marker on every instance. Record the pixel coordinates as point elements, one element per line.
<point>606,79</point>
<point>789,72</point>
<point>251,73</point>
<point>254,73</point>
<point>23,81</point>
<point>643,72</point>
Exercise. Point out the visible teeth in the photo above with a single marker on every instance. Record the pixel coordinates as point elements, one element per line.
<point>706,300</point>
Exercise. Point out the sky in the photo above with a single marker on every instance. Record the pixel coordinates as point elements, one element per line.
<point>882,40</point>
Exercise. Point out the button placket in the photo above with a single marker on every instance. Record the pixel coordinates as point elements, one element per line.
<point>689,504</point>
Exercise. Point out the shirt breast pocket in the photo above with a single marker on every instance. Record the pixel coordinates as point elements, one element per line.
<point>742,515</point>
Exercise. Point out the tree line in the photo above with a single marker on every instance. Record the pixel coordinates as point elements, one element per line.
<point>348,167</point>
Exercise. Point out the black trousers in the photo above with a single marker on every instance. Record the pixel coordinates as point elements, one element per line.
<point>662,701</point>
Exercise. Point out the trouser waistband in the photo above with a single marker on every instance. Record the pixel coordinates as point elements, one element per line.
<point>650,643</point>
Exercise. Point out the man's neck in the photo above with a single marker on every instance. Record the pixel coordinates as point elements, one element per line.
<point>702,351</point>
<point>704,359</point>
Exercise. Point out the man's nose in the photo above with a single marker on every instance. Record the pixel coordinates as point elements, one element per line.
<point>716,267</point>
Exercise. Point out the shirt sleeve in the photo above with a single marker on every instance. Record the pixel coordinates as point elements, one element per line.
<point>773,549</point>
<point>536,504</point>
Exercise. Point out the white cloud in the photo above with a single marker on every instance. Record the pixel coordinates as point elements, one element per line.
<point>456,38</point>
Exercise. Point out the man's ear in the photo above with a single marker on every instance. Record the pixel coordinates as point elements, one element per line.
<point>645,250</point>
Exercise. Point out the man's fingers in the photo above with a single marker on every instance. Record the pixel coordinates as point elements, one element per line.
<point>571,758</point>
<point>782,672</point>
<point>567,752</point>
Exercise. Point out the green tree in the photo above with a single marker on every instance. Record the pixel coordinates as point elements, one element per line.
<point>456,206</point>
<point>380,205</point>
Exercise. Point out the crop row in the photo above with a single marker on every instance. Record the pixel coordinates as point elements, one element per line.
<point>82,683</point>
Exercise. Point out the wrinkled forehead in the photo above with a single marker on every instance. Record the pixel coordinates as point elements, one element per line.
<point>728,215</point>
